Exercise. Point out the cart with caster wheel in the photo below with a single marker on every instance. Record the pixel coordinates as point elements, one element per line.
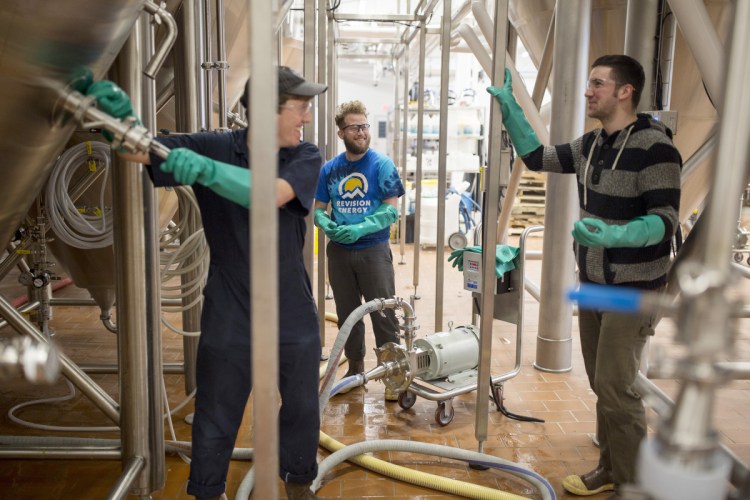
<point>447,349</point>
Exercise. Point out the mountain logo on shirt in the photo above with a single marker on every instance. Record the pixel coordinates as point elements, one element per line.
<point>352,186</point>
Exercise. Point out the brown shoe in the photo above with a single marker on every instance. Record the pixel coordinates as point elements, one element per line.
<point>299,491</point>
<point>591,483</point>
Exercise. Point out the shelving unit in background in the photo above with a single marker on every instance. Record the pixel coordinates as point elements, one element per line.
<point>465,154</point>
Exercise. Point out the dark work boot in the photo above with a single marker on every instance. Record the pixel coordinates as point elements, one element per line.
<point>591,483</point>
<point>355,367</point>
<point>299,491</point>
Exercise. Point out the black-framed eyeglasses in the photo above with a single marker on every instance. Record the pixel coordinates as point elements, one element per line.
<point>357,128</point>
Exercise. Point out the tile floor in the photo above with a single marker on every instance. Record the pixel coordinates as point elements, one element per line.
<point>558,447</point>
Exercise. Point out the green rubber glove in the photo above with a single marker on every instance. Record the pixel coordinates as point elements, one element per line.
<point>81,78</point>
<point>228,181</point>
<point>383,217</point>
<point>112,100</point>
<point>456,258</point>
<point>523,136</point>
<point>324,222</point>
<point>640,232</point>
<point>505,258</point>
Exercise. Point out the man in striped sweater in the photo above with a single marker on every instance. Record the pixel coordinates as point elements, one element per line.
<point>628,174</point>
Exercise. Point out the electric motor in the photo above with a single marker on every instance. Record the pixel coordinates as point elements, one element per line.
<point>444,353</point>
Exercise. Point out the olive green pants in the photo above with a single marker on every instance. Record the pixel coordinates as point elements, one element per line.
<point>612,344</point>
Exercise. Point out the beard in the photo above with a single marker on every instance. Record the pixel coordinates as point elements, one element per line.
<point>355,148</point>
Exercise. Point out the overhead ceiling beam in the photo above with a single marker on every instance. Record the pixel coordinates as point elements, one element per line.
<point>368,40</point>
<point>365,56</point>
<point>377,17</point>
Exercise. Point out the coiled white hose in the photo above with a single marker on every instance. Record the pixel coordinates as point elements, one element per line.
<point>79,226</point>
<point>180,255</point>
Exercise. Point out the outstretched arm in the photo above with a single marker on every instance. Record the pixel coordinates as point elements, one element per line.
<point>523,136</point>
<point>229,181</point>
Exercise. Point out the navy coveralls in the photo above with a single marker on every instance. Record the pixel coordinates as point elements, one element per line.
<point>223,369</point>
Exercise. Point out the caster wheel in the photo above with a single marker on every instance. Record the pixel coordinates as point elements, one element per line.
<point>442,417</point>
<point>407,399</point>
<point>738,257</point>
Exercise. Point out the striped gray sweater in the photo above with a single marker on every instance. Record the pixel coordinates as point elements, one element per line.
<point>644,180</point>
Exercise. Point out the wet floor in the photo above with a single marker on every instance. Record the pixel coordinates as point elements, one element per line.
<point>559,446</point>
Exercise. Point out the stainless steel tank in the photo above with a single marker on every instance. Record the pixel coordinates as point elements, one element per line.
<point>42,40</point>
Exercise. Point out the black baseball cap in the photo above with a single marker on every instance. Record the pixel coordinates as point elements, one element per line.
<point>292,83</point>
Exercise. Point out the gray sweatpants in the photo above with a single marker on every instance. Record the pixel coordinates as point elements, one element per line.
<point>366,273</point>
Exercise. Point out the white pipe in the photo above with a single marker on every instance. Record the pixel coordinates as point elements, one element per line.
<point>519,90</point>
<point>484,21</point>
<point>704,43</point>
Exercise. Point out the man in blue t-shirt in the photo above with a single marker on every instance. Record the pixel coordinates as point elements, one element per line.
<point>216,165</point>
<point>362,186</point>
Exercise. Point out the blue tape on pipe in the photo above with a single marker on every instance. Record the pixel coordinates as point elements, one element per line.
<point>607,298</point>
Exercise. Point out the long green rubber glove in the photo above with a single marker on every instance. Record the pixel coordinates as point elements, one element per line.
<point>324,222</point>
<point>505,258</point>
<point>112,100</point>
<point>81,78</point>
<point>639,232</point>
<point>228,181</point>
<point>523,136</point>
<point>383,217</point>
<point>456,258</point>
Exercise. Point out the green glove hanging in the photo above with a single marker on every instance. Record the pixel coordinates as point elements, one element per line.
<point>523,136</point>
<point>324,222</point>
<point>456,257</point>
<point>505,258</point>
<point>229,181</point>
<point>383,217</point>
<point>640,232</point>
<point>112,100</point>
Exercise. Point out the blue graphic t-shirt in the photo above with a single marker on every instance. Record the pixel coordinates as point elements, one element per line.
<point>356,189</point>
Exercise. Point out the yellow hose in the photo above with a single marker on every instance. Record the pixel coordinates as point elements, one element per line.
<point>424,479</point>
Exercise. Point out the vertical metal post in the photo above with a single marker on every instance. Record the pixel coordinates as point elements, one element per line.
<point>333,93</point>
<point>138,300</point>
<point>445,57</point>
<point>308,132</point>
<point>666,59</point>
<point>404,149</point>
<point>396,117</point>
<point>554,342</point>
<point>264,262</point>
<point>641,21</point>
<point>204,29</point>
<point>418,174</point>
<point>221,65</point>
<point>489,218</point>
<point>187,108</point>
<point>323,101</point>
